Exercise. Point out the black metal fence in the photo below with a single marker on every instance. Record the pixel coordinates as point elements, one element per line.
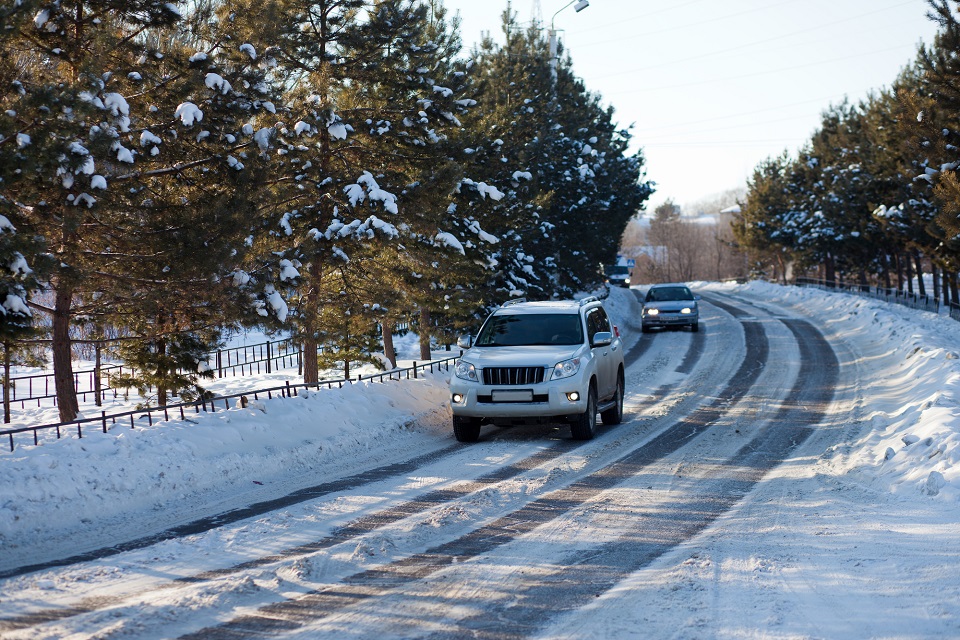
<point>248,360</point>
<point>912,300</point>
<point>107,421</point>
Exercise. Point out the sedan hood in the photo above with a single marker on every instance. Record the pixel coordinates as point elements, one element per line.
<point>533,356</point>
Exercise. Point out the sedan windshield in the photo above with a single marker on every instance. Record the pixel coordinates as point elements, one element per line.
<point>668,294</point>
<point>517,330</point>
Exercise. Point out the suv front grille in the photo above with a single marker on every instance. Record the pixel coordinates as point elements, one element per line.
<point>512,375</point>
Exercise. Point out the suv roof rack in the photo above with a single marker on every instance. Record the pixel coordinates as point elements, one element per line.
<point>514,301</point>
<point>588,300</point>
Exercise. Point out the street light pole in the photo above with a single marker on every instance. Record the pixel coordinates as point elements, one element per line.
<point>578,6</point>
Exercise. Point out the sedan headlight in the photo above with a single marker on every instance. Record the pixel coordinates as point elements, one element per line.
<point>565,369</point>
<point>652,312</point>
<point>686,310</point>
<point>465,371</point>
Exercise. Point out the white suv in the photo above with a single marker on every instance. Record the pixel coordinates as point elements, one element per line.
<point>540,362</point>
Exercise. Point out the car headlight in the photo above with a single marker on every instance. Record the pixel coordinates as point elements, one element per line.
<point>652,312</point>
<point>565,369</point>
<point>465,371</point>
<point>686,310</point>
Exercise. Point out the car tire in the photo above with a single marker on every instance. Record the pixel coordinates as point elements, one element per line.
<point>645,329</point>
<point>695,327</point>
<point>466,429</point>
<point>614,415</point>
<point>584,426</point>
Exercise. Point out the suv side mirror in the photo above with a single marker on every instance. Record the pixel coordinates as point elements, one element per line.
<point>601,339</point>
<point>465,341</point>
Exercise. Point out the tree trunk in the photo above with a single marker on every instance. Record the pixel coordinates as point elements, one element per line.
<point>935,275</point>
<point>952,280</point>
<point>909,268</point>
<point>921,287</point>
<point>161,372</point>
<point>425,334</point>
<point>864,285</point>
<point>886,272</point>
<point>830,272</point>
<point>311,367</point>
<point>62,356</point>
<point>309,310</point>
<point>386,327</point>
<point>899,262</point>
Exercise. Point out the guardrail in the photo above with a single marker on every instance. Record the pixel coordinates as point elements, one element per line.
<point>912,300</point>
<point>105,420</point>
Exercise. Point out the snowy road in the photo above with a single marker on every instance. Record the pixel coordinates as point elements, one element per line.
<point>501,539</point>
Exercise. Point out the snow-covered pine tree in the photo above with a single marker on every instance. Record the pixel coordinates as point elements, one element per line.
<point>363,99</point>
<point>557,155</point>
<point>135,167</point>
<point>189,203</point>
<point>500,201</point>
<point>757,228</point>
<point>929,118</point>
<point>64,103</point>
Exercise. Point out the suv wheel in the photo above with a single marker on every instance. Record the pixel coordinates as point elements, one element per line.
<point>586,423</point>
<point>614,415</point>
<point>466,429</point>
<point>695,327</point>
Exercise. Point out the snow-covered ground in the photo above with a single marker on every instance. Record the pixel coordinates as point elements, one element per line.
<point>852,539</point>
<point>833,540</point>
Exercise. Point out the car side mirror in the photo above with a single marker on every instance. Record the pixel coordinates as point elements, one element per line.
<point>465,341</point>
<point>601,339</point>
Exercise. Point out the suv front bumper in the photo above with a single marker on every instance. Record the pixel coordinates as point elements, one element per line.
<point>548,400</point>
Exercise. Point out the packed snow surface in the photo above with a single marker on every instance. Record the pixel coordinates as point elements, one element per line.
<point>856,537</point>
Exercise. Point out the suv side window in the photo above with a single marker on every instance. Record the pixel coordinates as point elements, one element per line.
<point>597,321</point>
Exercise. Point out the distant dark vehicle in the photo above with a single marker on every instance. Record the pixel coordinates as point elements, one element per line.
<point>617,275</point>
<point>670,305</point>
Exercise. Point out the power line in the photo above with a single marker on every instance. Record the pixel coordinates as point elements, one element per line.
<point>745,45</point>
<point>758,73</point>
<point>679,27</point>
<point>639,131</point>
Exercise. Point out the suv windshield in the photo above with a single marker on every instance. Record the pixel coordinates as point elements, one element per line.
<point>616,270</point>
<point>515,330</point>
<point>668,294</point>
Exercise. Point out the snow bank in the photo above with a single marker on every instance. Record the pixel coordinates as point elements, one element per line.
<point>910,364</point>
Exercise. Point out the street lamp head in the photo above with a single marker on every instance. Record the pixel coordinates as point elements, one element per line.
<point>581,5</point>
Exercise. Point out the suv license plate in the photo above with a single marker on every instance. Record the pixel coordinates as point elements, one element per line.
<point>512,395</point>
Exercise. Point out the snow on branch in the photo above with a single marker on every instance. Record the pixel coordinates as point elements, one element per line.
<point>356,193</point>
<point>483,189</point>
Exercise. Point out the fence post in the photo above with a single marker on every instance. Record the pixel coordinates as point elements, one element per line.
<point>268,356</point>
<point>414,369</point>
<point>96,376</point>
<point>6,381</point>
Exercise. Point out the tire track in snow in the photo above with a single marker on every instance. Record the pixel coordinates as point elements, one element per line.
<point>295,613</point>
<point>580,578</point>
<point>359,527</point>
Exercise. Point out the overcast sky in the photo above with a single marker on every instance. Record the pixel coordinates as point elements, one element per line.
<point>712,88</point>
